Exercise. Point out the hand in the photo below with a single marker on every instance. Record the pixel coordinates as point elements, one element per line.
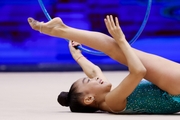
<point>74,52</point>
<point>114,28</point>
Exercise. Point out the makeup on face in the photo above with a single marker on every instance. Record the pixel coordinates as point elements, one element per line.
<point>86,80</point>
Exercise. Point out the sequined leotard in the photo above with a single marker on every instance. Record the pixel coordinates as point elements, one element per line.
<point>148,98</point>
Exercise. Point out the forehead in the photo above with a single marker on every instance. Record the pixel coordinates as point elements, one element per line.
<point>79,83</point>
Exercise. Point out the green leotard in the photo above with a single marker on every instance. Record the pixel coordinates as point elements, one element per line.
<point>148,98</point>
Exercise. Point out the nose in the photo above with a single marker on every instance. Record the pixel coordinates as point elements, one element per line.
<point>96,78</point>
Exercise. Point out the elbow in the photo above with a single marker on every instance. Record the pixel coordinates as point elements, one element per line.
<point>95,70</point>
<point>141,71</point>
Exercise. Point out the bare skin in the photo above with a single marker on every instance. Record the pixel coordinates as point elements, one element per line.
<point>160,71</point>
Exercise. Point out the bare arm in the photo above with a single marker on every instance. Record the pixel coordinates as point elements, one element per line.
<point>90,69</point>
<point>136,69</point>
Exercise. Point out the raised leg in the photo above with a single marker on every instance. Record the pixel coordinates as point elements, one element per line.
<point>95,40</point>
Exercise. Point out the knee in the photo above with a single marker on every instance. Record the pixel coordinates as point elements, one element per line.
<point>113,51</point>
<point>110,51</point>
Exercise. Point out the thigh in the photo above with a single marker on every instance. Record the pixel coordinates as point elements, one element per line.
<point>174,80</point>
<point>162,72</point>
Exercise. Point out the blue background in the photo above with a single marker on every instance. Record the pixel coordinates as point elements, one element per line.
<point>23,49</point>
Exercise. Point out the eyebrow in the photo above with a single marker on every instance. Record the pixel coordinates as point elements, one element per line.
<point>83,80</point>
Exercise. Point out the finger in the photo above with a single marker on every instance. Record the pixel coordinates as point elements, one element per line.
<point>117,22</point>
<point>73,43</point>
<point>112,21</point>
<point>109,22</point>
<point>106,23</point>
<point>70,44</point>
<point>76,43</point>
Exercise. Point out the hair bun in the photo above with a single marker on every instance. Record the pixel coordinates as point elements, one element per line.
<point>63,99</point>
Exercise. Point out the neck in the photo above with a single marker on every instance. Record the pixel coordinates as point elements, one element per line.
<point>104,107</point>
<point>102,104</point>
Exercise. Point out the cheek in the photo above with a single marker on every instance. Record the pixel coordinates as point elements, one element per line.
<point>98,87</point>
<point>93,87</point>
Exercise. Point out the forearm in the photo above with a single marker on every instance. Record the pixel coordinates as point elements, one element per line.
<point>88,67</point>
<point>133,62</point>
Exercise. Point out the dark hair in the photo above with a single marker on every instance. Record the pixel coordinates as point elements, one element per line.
<point>72,99</point>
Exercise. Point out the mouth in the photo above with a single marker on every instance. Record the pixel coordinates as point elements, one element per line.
<point>101,81</point>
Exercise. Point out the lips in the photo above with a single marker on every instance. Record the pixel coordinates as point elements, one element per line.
<point>101,81</point>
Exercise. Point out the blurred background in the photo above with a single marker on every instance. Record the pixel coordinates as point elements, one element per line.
<point>23,49</point>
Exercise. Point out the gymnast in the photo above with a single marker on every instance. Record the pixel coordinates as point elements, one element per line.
<point>152,85</point>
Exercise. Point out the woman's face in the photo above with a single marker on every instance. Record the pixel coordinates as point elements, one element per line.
<point>94,86</point>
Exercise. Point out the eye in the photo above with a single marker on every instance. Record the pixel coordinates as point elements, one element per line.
<point>88,80</point>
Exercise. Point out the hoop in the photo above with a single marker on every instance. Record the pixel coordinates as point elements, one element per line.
<point>101,53</point>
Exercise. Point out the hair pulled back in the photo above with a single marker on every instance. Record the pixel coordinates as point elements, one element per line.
<point>72,99</point>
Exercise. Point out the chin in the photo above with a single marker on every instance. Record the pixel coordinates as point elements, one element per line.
<point>108,87</point>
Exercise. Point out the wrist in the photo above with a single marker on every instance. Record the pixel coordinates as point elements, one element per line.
<point>76,56</point>
<point>79,58</point>
<point>121,41</point>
